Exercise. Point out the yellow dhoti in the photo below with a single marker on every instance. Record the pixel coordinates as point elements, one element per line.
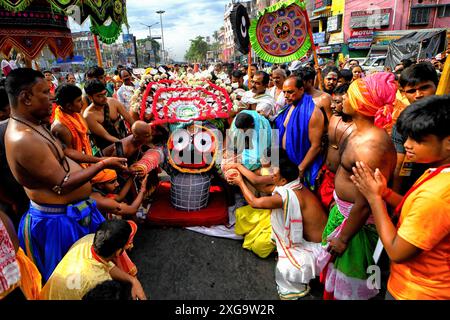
<point>255,226</point>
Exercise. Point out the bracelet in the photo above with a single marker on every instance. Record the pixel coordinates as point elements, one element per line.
<point>387,193</point>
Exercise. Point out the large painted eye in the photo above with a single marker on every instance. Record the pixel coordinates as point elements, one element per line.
<point>203,142</point>
<point>180,139</point>
<point>285,28</point>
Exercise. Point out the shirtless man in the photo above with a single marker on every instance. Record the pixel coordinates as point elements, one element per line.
<point>354,237</point>
<point>339,129</point>
<point>60,210</point>
<point>70,127</point>
<point>297,220</point>
<point>321,99</point>
<point>330,79</point>
<point>141,134</point>
<point>103,116</point>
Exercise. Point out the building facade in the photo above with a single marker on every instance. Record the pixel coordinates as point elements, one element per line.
<point>83,45</point>
<point>369,29</point>
<point>356,28</point>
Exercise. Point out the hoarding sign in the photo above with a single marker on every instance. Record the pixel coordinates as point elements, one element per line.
<point>128,44</point>
<point>373,19</point>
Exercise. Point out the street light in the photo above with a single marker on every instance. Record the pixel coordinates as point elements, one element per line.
<point>150,28</point>
<point>160,12</point>
<point>150,33</point>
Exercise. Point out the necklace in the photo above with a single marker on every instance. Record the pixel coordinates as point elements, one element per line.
<point>61,159</point>
<point>336,146</point>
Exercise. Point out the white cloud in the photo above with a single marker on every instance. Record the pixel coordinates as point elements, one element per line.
<point>182,21</point>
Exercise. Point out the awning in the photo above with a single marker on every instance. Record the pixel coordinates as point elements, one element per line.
<point>320,16</point>
<point>74,60</point>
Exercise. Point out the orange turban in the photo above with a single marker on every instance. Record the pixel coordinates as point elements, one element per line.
<point>374,96</point>
<point>104,176</point>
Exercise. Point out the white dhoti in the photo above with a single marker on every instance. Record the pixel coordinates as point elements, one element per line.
<point>296,257</point>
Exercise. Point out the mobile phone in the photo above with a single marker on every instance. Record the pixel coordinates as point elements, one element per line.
<point>119,149</point>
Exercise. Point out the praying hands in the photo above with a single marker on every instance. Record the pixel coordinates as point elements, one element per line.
<point>372,184</point>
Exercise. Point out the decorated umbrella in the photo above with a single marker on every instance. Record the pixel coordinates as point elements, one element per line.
<point>30,30</point>
<point>44,22</point>
<point>280,33</point>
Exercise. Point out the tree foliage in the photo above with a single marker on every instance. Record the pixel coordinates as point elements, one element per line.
<point>197,51</point>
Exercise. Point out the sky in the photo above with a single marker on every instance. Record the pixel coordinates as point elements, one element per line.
<point>183,20</point>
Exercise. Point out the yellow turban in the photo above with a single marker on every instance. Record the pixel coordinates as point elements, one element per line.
<point>104,176</point>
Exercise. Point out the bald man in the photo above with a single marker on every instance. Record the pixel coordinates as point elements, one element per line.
<point>141,135</point>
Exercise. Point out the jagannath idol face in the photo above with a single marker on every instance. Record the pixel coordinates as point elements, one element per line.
<point>192,149</point>
<point>282,30</point>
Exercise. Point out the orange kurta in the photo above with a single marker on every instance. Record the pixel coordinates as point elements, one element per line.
<point>425,223</point>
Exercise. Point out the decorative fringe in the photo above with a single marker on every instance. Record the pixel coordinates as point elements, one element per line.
<point>21,6</point>
<point>106,34</point>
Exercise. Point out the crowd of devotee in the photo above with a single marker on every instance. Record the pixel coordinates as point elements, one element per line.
<point>337,164</point>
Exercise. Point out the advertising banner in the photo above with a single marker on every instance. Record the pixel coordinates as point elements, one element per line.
<point>373,19</point>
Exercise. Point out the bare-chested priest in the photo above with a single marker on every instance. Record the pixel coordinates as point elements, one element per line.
<point>350,236</point>
<point>61,211</point>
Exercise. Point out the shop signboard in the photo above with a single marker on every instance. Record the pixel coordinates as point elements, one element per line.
<point>360,45</point>
<point>336,48</point>
<point>374,19</point>
<point>325,50</point>
<point>319,37</point>
<point>336,38</point>
<point>361,34</point>
<point>360,39</point>
<point>334,23</point>
<point>321,4</point>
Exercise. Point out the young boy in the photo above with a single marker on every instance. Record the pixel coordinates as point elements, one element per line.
<point>70,128</point>
<point>298,221</point>
<point>419,246</point>
<point>111,203</point>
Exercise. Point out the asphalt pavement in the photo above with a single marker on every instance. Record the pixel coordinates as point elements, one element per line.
<point>180,264</point>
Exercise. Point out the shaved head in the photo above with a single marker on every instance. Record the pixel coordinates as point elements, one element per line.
<point>140,128</point>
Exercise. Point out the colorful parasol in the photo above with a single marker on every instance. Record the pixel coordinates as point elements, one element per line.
<point>31,29</point>
<point>280,33</point>
<point>107,16</point>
